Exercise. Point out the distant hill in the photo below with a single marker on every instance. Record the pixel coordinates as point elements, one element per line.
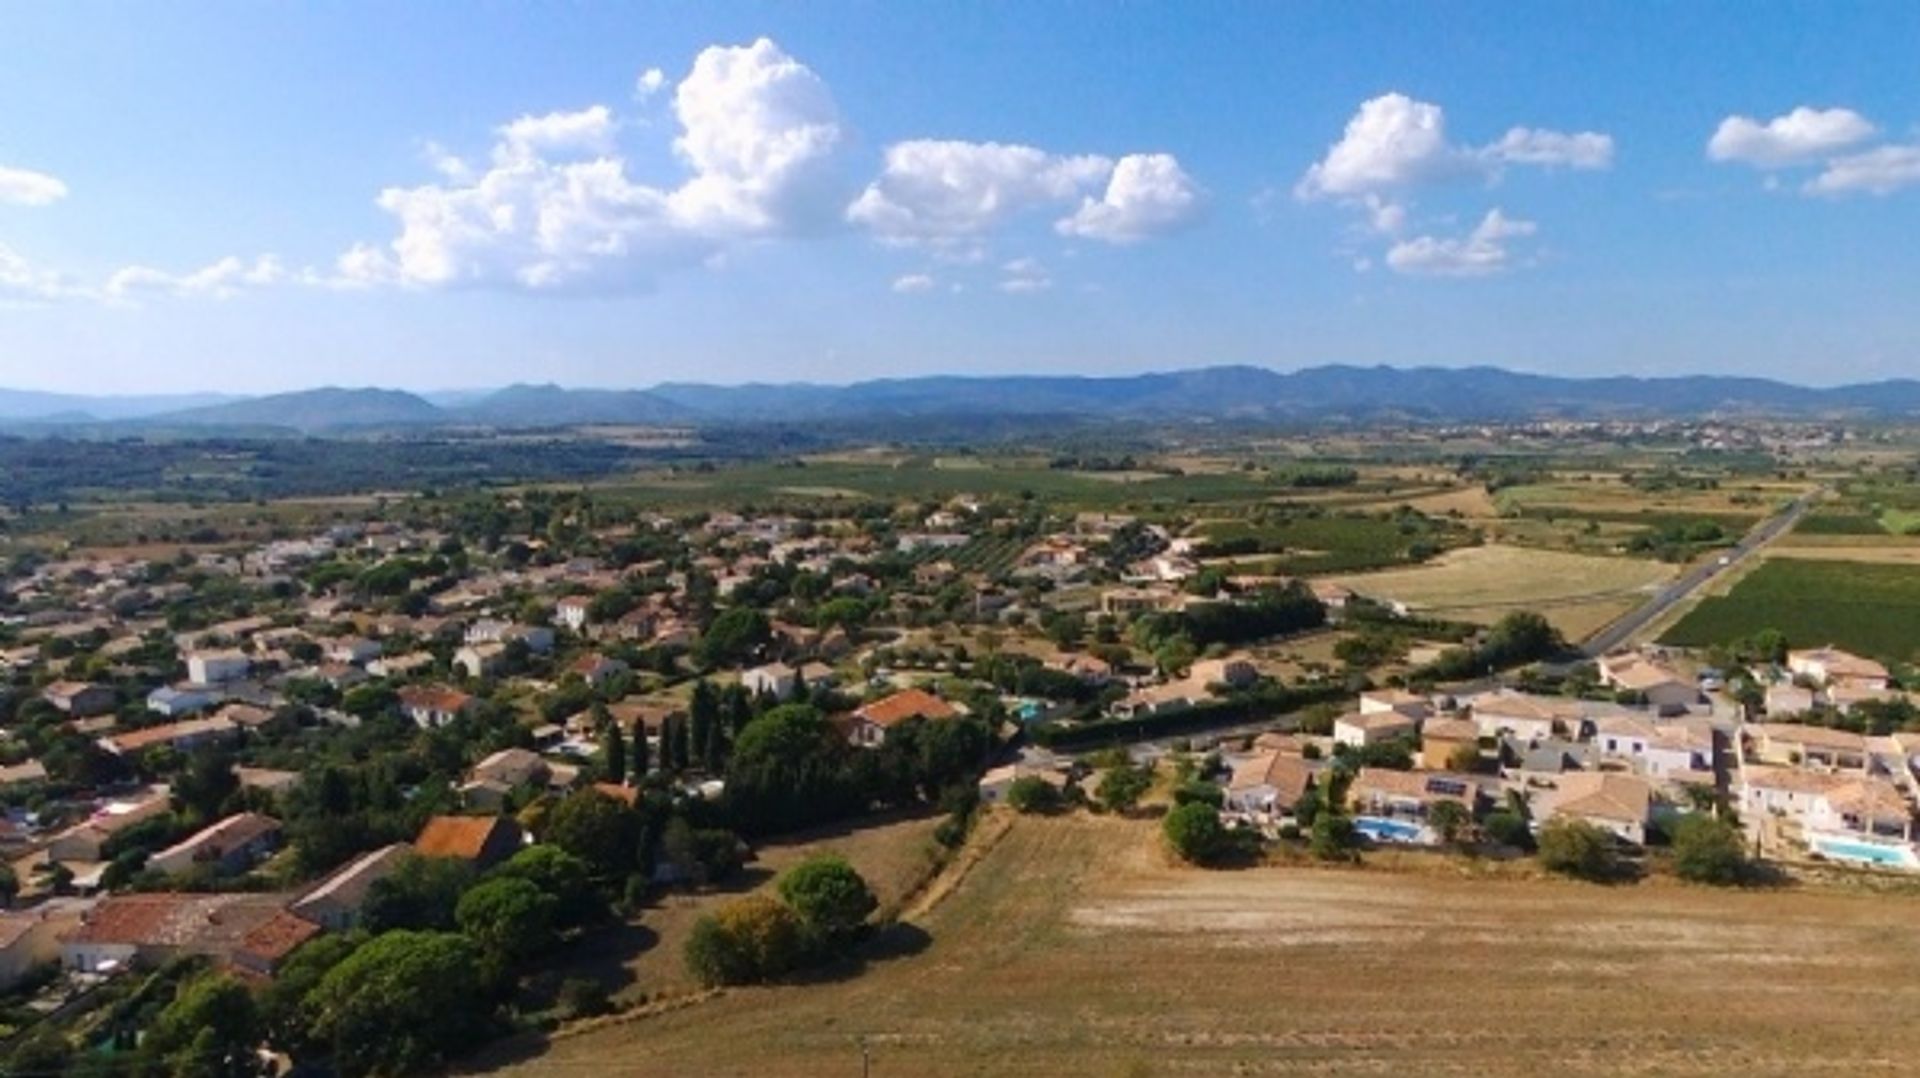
<point>552,406</point>
<point>1251,393</point>
<point>74,408</point>
<point>311,411</point>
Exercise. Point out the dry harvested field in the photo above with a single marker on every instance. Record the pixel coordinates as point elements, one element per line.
<point>1073,948</point>
<point>1878,549</point>
<point>1577,592</point>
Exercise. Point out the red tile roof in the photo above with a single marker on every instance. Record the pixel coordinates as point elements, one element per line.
<point>906,704</point>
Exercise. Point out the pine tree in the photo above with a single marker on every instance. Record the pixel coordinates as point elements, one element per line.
<point>713,750</point>
<point>616,754</point>
<point>699,722</point>
<point>737,706</point>
<point>681,749</point>
<point>640,754</point>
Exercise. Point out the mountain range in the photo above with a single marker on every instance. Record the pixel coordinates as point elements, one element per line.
<point>1226,393</point>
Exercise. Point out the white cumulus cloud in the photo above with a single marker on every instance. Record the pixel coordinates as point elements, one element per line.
<point>1803,135</point>
<point>219,280</point>
<point>1395,142</point>
<point>1147,195</point>
<point>23,282</point>
<point>556,207</point>
<point>649,83</point>
<point>1483,251</point>
<point>1025,275</point>
<point>1879,171</point>
<point>914,282</point>
<point>25,187</point>
<point>943,190</point>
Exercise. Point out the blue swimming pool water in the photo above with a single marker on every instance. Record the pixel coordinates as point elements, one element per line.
<point>1869,852</point>
<point>1382,829</point>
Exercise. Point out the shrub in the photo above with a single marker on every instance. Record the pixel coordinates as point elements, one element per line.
<point>1031,794</point>
<point>1709,850</point>
<point>1509,829</point>
<point>830,897</point>
<point>1579,849</point>
<point>754,939</point>
<point>1195,832</point>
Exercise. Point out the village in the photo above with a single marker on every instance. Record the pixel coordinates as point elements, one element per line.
<point>228,754</point>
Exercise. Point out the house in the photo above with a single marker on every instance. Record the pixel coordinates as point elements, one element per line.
<point>401,665</point>
<point>871,721</point>
<point>1623,737</point>
<point>1268,785</point>
<point>261,951</point>
<point>494,779</point>
<point>1089,669</point>
<point>351,650</point>
<point>1827,802</point>
<point>334,903</point>
<point>1395,702</point>
<point>596,669</point>
<point>1442,739</point>
<point>1844,696</point>
<point>1126,602</point>
<point>84,840</point>
<point>1233,672</point>
<point>482,841</point>
<point>174,701</point>
<point>1787,698</point>
<point>1622,804</point>
<point>1332,596</point>
<point>1829,666</point>
<point>30,939</point>
<point>574,611</point>
<point>1812,747</point>
<point>777,680</point>
<point>146,930</point>
<point>430,706</point>
<point>480,660</point>
<point>79,699</point>
<point>1526,716</point>
<point>1358,729</point>
<point>1380,791</point>
<point>230,847</point>
<point>1535,761</point>
<point>183,736</point>
<point>997,781</point>
<point>1661,686</point>
<point>1157,700</point>
<point>217,667</point>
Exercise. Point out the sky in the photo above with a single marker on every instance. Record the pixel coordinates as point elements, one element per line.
<point>253,197</point>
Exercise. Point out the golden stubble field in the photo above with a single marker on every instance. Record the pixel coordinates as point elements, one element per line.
<point>1579,593</point>
<point>1073,948</point>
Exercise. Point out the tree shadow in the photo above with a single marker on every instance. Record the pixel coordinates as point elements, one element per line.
<point>888,943</point>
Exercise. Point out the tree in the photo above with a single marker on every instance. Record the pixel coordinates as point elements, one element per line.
<point>560,874</point>
<point>283,1006</point>
<point>732,637</point>
<point>205,785</point>
<point>9,885</point>
<point>1121,788</point>
<point>210,1028</point>
<point>642,762</point>
<point>403,1003</point>
<point>1032,794</point>
<point>789,769</point>
<point>1450,819</point>
<point>754,939</point>
<point>1579,849</point>
<point>1195,832</point>
<point>1709,850</point>
<point>1332,836</point>
<point>831,898</point>
<point>511,918</point>
<point>420,894</point>
<point>597,829</point>
<point>1508,828</point>
<point>616,749</point>
<point>1464,758</point>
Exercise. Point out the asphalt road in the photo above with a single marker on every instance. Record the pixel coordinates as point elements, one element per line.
<point>1623,630</point>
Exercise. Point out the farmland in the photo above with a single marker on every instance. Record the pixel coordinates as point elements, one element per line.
<point>1073,948</point>
<point>1328,542</point>
<point>1577,592</point>
<point>1873,609</point>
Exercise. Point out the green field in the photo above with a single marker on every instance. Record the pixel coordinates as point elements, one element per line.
<point>1870,609</point>
<point>1337,542</point>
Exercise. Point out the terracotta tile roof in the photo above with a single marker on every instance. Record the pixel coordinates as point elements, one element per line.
<point>458,836</point>
<point>276,938</point>
<point>906,704</point>
<point>1604,795</point>
<point>433,698</point>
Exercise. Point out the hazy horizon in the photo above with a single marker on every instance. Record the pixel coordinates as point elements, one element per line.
<point>243,200</point>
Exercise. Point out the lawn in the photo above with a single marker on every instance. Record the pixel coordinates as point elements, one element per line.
<point>1577,592</point>
<point>1074,948</point>
<point>1873,609</point>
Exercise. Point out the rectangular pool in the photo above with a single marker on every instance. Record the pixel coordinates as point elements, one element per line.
<point>1871,853</point>
<point>1385,829</point>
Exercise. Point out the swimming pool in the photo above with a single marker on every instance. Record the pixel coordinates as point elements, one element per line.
<point>1384,829</point>
<point>1885,855</point>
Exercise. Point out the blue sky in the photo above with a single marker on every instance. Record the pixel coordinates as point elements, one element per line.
<point>191,196</point>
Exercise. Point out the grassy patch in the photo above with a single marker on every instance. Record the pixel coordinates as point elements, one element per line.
<point>1870,609</point>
